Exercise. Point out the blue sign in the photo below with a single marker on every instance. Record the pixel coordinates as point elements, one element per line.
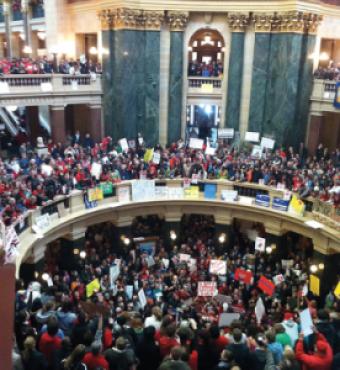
<point>210,191</point>
<point>147,248</point>
<point>262,200</point>
<point>280,204</point>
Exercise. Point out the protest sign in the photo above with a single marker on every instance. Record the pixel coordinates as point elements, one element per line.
<point>267,143</point>
<point>124,144</point>
<point>123,193</point>
<point>156,158</point>
<point>229,195</point>
<point>252,136</point>
<point>96,170</point>
<point>210,191</point>
<point>183,257</point>
<point>192,192</point>
<point>147,248</point>
<point>166,263</point>
<point>278,279</point>
<point>92,287</point>
<point>206,288</point>
<point>225,133</point>
<point>226,319</point>
<point>221,298</point>
<point>218,267</point>
<point>260,244</point>
<point>132,144</point>
<point>266,285</point>
<point>107,188</point>
<point>143,189</point>
<point>95,194</point>
<point>150,261</point>
<point>142,298</point>
<point>243,275</point>
<point>306,322</point>
<point>129,291</point>
<point>148,155</point>
<point>337,290</point>
<point>260,310</point>
<point>114,273</point>
<point>196,143</point>
<point>314,285</point>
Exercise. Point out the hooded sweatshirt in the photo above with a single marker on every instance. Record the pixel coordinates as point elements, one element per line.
<point>292,330</point>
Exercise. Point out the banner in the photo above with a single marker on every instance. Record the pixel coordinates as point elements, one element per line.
<point>280,204</point>
<point>143,189</point>
<point>243,275</point>
<point>95,194</point>
<point>262,200</point>
<point>229,195</point>
<point>107,188</point>
<point>314,285</point>
<point>218,267</point>
<point>206,288</point>
<point>266,285</point>
<point>92,288</point>
<point>337,96</point>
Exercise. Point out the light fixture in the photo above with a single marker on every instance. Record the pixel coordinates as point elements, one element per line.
<point>173,235</point>
<point>313,268</point>
<point>194,56</point>
<point>126,241</point>
<point>82,254</point>
<point>219,56</point>
<point>321,266</point>
<point>223,49</point>
<point>208,109</point>
<point>41,35</point>
<point>76,251</point>
<point>219,44</point>
<point>324,56</point>
<point>269,250</point>
<point>222,238</point>
<point>27,49</point>
<point>93,50</point>
<point>273,246</point>
<point>45,276</point>
<point>207,40</point>
<point>12,108</point>
<point>125,53</point>
<point>195,43</point>
<point>36,274</point>
<point>189,48</point>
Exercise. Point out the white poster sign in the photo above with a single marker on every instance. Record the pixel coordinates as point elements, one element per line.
<point>156,158</point>
<point>114,273</point>
<point>260,310</point>
<point>278,279</point>
<point>124,144</point>
<point>225,133</point>
<point>196,143</point>
<point>143,189</point>
<point>142,298</point>
<point>251,136</point>
<point>43,222</point>
<point>267,143</point>
<point>229,195</point>
<point>183,257</point>
<point>306,322</point>
<point>123,193</point>
<point>96,170</point>
<point>260,244</point>
<point>218,267</point>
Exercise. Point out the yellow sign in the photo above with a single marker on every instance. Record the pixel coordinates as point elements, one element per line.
<point>192,192</point>
<point>95,194</point>
<point>314,284</point>
<point>296,205</point>
<point>92,288</point>
<point>337,290</point>
<point>207,88</point>
<point>148,155</point>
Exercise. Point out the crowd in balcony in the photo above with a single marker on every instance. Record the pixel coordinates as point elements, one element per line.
<point>149,315</point>
<point>29,180</point>
<point>212,69</point>
<point>21,66</point>
<point>331,73</point>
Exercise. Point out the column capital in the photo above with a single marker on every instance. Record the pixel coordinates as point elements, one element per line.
<point>238,22</point>
<point>177,20</point>
<point>6,7</point>
<point>135,19</point>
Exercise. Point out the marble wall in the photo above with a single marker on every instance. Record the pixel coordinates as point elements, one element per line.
<point>281,86</point>
<point>232,116</point>
<point>175,86</point>
<point>131,84</point>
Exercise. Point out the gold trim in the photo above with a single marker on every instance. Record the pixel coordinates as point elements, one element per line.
<point>238,22</point>
<point>177,20</point>
<point>131,19</point>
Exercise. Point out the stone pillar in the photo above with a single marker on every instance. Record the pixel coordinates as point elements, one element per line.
<point>177,22</point>
<point>314,131</point>
<point>58,131</point>
<point>164,74</point>
<point>26,16</point>
<point>96,127</point>
<point>7,298</point>
<point>32,121</point>
<point>249,46</point>
<point>131,72</point>
<point>8,31</point>
<point>237,22</point>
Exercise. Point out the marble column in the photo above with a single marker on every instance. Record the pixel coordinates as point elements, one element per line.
<point>314,131</point>
<point>164,84</point>
<point>26,16</point>
<point>131,73</point>
<point>58,131</point>
<point>8,30</point>
<point>237,23</point>
<point>178,22</point>
<point>96,127</point>
<point>249,46</point>
<point>32,121</point>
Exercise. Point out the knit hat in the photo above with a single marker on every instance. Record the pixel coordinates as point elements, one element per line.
<point>288,316</point>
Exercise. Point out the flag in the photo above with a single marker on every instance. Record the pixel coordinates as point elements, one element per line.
<point>266,285</point>
<point>148,155</point>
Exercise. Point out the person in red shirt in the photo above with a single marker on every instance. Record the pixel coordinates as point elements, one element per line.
<point>95,359</point>
<point>49,341</point>
<point>321,359</point>
<point>168,341</point>
<point>218,340</point>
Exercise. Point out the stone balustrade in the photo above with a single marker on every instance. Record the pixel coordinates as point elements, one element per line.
<point>51,89</point>
<point>205,85</point>
<point>67,214</point>
<point>323,96</point>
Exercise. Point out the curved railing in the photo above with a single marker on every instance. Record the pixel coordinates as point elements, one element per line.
<point>69,212</point>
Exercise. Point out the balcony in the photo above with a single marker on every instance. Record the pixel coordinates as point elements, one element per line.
<point>211,86</point>
<point>323,96</point>
<point>49,89</point>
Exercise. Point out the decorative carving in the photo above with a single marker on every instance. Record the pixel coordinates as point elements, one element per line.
<point>238,21</point>
<point>286,22</point>
<point>177,20</point>
<point>124,18</point>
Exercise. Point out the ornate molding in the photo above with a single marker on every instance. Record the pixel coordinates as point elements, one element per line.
<point>297,22</point>
<point>124,18</point>
<point>177,20</point>
<point>238,22</point>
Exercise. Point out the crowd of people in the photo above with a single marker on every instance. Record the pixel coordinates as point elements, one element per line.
<point>59,325</point>
<point>331,73</point>
<point>212,69</point>
<point>44,65</point>
<point>30,179</point>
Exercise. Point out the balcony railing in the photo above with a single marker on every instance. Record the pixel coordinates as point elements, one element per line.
<point>205,85</point>
<point>322,97</point>
<point>48,84</point>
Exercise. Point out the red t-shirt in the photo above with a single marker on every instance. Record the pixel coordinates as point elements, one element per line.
<point>92,362</point>
<point>48,345</point>
<point>166,344</point>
